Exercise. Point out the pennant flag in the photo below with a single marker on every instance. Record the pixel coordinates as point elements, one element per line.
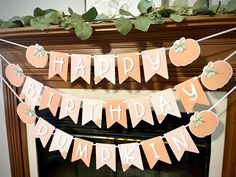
<point>43,130</point>
<point>31,91</point>
<point>154,62</point>
<point>58,64</point>
<point>61,141</point>
<point>191,93</point>
<point>50,99</point>
<point>70,106</point>
<point>180,141</point>
<point>140,109</point>
<point>116,112</point>
<point>104,67</point>
<point>130,155</point>
<point>82,149</point>
<point>80,67</point>
<point>155,150</point>
<point>92,111</point>
<point>164,103</point>
<point>106,155</point>
<point>128,66</point>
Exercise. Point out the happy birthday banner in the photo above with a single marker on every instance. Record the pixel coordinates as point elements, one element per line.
<point>215,75</point>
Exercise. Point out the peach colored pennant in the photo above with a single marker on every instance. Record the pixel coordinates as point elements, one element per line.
<point>80,67</point>
<point>106,155</point>
<point>155,150</point>
<point>128,66</point>
<point>154,62</point>
<point>104,67</point>
<point>70,106</point>
<point>180,141</point>
<point>50,99</point>
<point>130,155</point>
<point>116,112</point>
<point>191,93</point>
<point>164,103</point>
<point>58,64</point>
<point>140,109</point>
<point>43,130</point>
<point>31,91</point>
<point>61,141</point>
<point>82,149</point>
<point>92,111</point>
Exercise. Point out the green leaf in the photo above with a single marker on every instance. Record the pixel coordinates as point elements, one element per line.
<point>143,23</point>
<point>125,13</point>
<point>200,4</point>
<point>180,3</point>
<point>123,25</point>
<point>159,20</point>
<point>37,24</point>
<point>166,11</point>
<point>144,5</point>
<point>231,6</point>
<point>39,12</point>
<point>203,11</point>
<point>18,20</point>
<point>177,18</point>
<point>27,19</point>
<point>83,30</point>
<point>90,15</point>
<point>70,11</point>
<point>102,17</point>
<point>9,24</point>
<point>53,18</point>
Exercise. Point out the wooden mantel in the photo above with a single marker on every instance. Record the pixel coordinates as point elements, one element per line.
<point>106,39</point>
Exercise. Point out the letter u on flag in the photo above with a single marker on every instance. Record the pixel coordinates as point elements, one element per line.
<point>58,64</point>
<point>106,155</point>
<point>154,62</point>
<point>104,67</point>
<point>180,141</point>
<point>130,155</point>
<point>191,93</point>
<point>128,66</point>
<point>61,141</point>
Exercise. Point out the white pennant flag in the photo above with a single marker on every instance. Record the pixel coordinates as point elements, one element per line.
<point>61,141</point>
<point>164,103</point>
<point>104,67</point>
<point>92,111</point>
<point>130,155</point>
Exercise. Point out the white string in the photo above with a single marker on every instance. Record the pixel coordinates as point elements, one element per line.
<point>139,53</point>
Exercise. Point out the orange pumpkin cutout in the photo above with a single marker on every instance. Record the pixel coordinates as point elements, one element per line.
<point>15,75</point>
<point>36,55</point>
<point>184,52</point>
<point>216,75</point>
<point>26,113</point>
<point>203,124</point>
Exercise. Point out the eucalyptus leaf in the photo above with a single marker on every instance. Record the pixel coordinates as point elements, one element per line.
<point>231,6</point>
<point>123,25</point>
<point>70,11</point>
<point>53,18</point>
<point>125,13</point>
<point>177,18</point>
<point>39,12</point>
<point>90,15</point>
<point>166,11</point>
<point>37,24</point>
<point>83,30</point>
<point>102,17</point>
<point>159,20</point>
<point>180,3</point>
<point>143,23</point>
<point>144,5</point>
<point>18,20</point>
<point>200,4</point>
<point>9,24</point>
<point>203,11</point>
<point>27,19</point>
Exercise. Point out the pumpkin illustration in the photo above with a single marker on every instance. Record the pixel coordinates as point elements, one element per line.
<point>216,75</point>
<point>36,55</point>
<point>203,124</point>
<point>26,113</point>
<point>184,52</point>
<point>15,75</point>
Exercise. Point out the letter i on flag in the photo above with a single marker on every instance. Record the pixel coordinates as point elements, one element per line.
<point>82,149</point>
<point>130,155</point>
<point>154,62</point>
<point>43,131</point>
<point>106,155</point>
<point>180,141</point>
<point>128,66</point>
<point>191,93</point>
<point>58,64</point>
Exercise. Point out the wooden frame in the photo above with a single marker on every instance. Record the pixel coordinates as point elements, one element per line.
<point>57,39</point>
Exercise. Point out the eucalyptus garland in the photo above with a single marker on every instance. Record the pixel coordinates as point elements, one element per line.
<point>124,20</point>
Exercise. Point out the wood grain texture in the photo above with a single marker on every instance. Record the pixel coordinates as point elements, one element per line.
<point>105,40</point>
